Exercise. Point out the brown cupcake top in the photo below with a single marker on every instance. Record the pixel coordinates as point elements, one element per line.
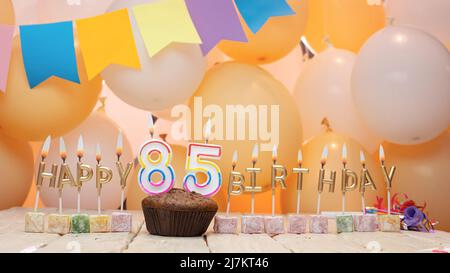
<point>180,200</point>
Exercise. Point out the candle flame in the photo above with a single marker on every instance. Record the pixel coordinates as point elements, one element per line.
<point>344,153</point>
<point>98,153</point>
<point>151,125</point>
<point>362,158</point>
<point>235,158</point>
<point>381,153</point>
<point>46,147</point>
<point>62,148</point>
<point>80,147</point>
<point>324,155</point>
<point>119,146</point>
<point>274,153</point>
<point>255,153</point>
<point>300,157</point>
<point>207,129</point>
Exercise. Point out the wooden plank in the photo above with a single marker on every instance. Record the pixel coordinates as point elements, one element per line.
<point>318,243</point>
<point>244,243</point>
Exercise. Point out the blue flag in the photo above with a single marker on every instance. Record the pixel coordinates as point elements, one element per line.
<point>256,12</point>
<point>48,50</point>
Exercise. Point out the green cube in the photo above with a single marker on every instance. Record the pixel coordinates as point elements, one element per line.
<point>80,223</point>
<point>344,223</point>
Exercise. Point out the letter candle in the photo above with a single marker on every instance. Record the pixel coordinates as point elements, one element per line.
<point>388,222</point>
<point>253,223</point>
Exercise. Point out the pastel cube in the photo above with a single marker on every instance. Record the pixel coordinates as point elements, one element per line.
<point>121,221</point>
<point>318,224</point>
<point>365,223</point>
<point>274,224</point>
<point>58,223</point>
<point>80,223</point>
<point>389,223</point>
<point>99,223</point>
<point>344,223</point>
<point>225,224</point>
<point>252,224</point>
<point>35,222</point>
<point>297,223</point>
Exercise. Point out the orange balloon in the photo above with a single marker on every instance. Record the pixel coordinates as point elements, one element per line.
<point>52,108</point>
<point>348,23</point>
<point>312,153</point>
<point>423,173</point>
<point>16,168</point>
<point>274,40</point>
<point>7,16</point>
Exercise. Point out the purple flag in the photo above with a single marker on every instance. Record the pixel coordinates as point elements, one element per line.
<point>215,20</point>
<point>6,35</point>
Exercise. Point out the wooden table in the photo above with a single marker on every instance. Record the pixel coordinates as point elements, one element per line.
<point>14,239</point>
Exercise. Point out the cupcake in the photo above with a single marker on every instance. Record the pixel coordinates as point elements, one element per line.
<point>178,213</point>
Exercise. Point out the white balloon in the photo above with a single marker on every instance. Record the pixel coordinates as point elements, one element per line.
<point>401,85</point>
<point>166,79</point>
<point>430,16</point>
<point>323,90</point>
<point>98,128</point>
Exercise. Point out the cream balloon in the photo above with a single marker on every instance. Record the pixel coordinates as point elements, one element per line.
<point>312,152</point>
<point>401,84</point>
<point>97,129</point>
<point>168,78</point>
<point>16,168</point>
<point>323,91</point>
<point>430,16</point>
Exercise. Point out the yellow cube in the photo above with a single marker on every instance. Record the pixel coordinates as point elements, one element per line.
<point>389,223</point>
<point>34,222</point>
<point>58,223</point>
<point>100,223</point>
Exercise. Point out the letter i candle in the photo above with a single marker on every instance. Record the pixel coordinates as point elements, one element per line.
<point>227,223</point>
<point>296,222</point>
<point>100,223</point>
<point>388,222</point>
<point>253,223</point>
<point>121,221</point>
<point>274,224</point>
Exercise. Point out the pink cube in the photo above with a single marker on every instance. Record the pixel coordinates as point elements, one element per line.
<point>297,223</point>
<point>252,224</point>
<point>366,223</point>
<point>318,224</point>
<point>121,221</point>
<point>225,224</point>
<point>274,224</point>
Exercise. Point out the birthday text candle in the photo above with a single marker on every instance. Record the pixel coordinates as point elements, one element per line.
<point>296,222</point>
<point>388,222</point>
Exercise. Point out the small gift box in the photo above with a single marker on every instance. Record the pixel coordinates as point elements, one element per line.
<point>252,224</point>
<point>80,223</point>
<point>121,221</point>
<point>99,223</point>
<point>297,223</point>
<point>35,222</point>
<point>225,224</point>
<point>58,223</point>
<point>344,223</point>
<point>389,223</point>
<point>318,224</point>
<point>366,223</point>
<point>274,224</point>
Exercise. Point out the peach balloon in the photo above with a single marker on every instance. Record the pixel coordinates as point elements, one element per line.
<point>423,173</point>
<point>52,108</point>
<point>7,15</point>
<point>16,168</point>
<point>312,152</point>
<point>347,23</point>
<point>230,85</point>
<point>277,37</point>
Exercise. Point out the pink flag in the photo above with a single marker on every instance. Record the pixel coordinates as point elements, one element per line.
<point>6,35</point>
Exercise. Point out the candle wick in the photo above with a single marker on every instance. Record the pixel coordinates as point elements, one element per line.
<point>118,158</point>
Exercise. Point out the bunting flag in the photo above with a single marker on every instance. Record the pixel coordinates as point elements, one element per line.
<point>48,50</point>
<point>215,20</point>
<point>256,12</point>
<point>164,22</point>
<point>107,39</point>
<point>6,35</point>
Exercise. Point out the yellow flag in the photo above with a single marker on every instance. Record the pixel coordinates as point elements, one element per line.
<point>107,39</point>
<point>164,22</point>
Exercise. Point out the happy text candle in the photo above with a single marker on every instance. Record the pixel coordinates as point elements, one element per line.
<point>84,171</point>
<point>123,172</point>
<point>65,175</point>
<point>103,175</point>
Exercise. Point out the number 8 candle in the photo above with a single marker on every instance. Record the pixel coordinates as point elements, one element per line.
<point>150,166</point>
